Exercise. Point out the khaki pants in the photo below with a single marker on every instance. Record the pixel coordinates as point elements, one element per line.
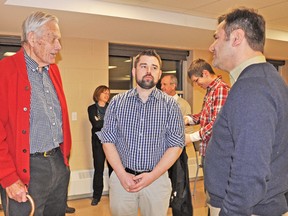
<point>152,200</point>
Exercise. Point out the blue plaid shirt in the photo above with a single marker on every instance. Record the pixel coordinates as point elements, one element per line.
<point>45,114</point>
<point>142,132</point>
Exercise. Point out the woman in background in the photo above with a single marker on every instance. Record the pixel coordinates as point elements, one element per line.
<point>96,114</point>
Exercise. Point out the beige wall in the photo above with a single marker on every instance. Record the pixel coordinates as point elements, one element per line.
<point>84,66</point>
<point>284,72</point>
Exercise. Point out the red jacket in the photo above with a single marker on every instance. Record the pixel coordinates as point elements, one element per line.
<point>15,92</point>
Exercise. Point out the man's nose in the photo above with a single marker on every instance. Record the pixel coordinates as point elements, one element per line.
<point>211,48</point>
<point>148,70</point>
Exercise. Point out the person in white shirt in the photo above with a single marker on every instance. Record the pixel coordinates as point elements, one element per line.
<point>169,85</point>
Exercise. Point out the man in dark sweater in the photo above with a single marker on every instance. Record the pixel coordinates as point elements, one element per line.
<point>246,167</point>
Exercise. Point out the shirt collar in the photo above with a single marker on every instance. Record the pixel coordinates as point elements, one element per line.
<point>33,65</point>
<point>156,93</point>
<point>235,73</point>
<point>214,83</point>
<point>176,96</point>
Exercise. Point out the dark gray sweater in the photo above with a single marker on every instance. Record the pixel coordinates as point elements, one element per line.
<point>246,163</point>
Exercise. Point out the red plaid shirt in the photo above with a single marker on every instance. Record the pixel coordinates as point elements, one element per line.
<point>216,95</point>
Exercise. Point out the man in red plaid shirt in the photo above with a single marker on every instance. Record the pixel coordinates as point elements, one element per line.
<point>201,73</point>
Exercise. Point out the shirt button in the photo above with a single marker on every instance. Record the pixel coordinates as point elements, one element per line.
<point>53,123</point>
<point>24,150</point>
<point>26,88</point>
<point>23,131</point>
<point>24,170</point>
<point>25,109</point>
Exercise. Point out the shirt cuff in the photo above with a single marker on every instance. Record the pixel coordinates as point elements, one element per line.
<point>195,136</point>
<point>190,119</point>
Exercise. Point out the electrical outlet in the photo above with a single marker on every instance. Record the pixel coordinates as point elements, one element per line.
<point>74,116</point>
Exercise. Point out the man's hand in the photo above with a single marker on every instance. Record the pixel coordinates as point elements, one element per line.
<point>142,181</point>
<point>17,191</point>
<point>126,180</point>
<point>186,120</point>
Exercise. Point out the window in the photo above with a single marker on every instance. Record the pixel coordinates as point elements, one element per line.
<point>120,68</point>
<point>121,64</point>
<point>174,67</point>
<point>9,45</point>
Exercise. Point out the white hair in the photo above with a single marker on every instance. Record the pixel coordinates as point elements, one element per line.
<point>34,22</point>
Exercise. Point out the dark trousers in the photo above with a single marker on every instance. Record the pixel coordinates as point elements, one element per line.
<point>49,178</point>
<point>99,160</point>
<point>203,165</point>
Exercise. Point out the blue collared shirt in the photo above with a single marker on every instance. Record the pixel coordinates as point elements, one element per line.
<point>45,114</point>
<point>142,132</point>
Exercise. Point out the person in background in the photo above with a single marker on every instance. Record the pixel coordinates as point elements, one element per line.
<point>96,113</point>
<point>169,85</point>
<point>178,172</point>
<point>70,210</point>
<point>35,137</point>
<point>201,73</point>
<point>246,164</point>
<point>142,137</point>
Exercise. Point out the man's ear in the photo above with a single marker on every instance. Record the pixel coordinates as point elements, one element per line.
<point>133,72</point>
<point>31,38</point>
<point>237,37</point>
<point>205,73</point>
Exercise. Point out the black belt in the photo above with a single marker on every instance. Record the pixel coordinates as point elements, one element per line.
<point>45,154</point>
<point>135,172</point>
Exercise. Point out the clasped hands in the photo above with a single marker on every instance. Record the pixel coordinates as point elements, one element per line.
<point>132,183</point>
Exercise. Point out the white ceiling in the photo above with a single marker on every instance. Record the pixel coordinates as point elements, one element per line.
<point>182,24</point>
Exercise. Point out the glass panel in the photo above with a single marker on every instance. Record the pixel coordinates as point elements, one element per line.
<point>120,72</point>
<point>120,75</point>
<point>7,50</point>
<point>172,67</point>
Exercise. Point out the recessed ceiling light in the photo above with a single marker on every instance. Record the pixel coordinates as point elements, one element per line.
<point>169,72</point>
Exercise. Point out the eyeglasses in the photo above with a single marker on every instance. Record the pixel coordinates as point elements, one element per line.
<point>196,80</point>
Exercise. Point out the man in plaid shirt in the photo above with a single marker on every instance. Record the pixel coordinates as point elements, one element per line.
<point>201,73</point>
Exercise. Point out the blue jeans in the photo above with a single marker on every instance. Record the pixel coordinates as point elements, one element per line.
<point>49,179</point>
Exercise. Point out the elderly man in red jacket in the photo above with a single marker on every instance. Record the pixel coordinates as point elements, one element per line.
<point>35,137</point>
